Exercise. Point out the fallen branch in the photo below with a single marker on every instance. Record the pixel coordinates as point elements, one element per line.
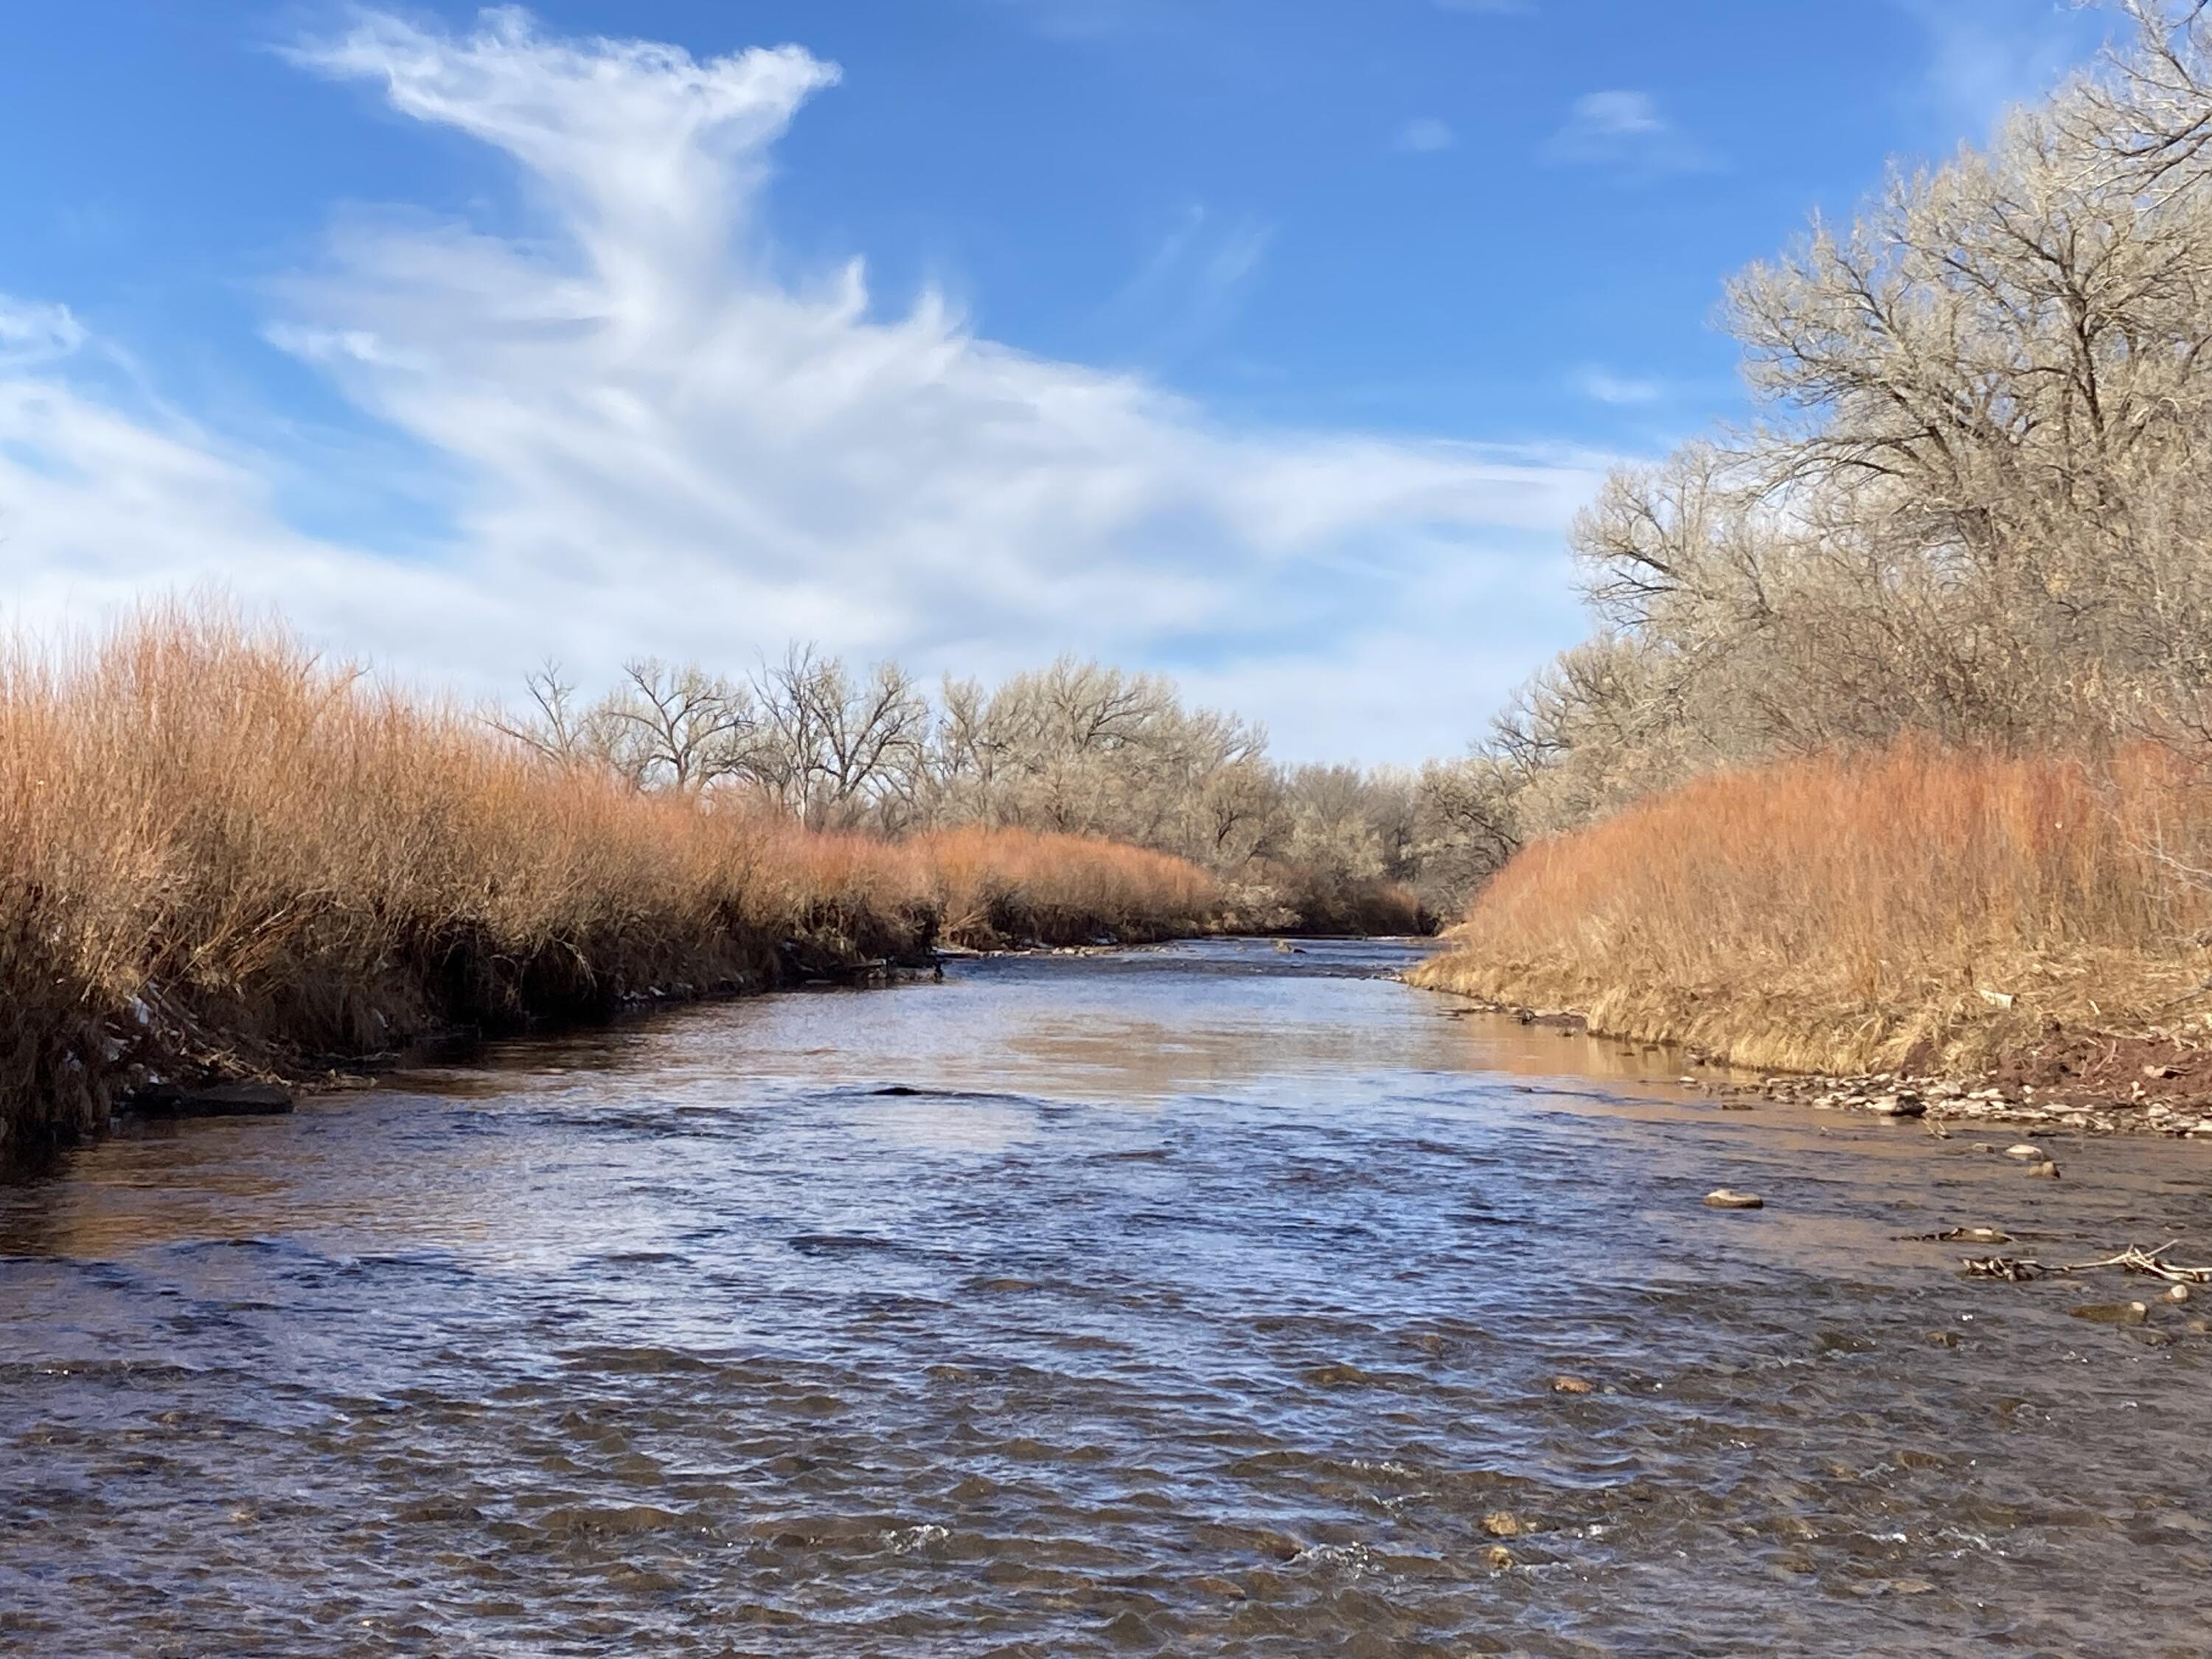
<point>2020,1269</point>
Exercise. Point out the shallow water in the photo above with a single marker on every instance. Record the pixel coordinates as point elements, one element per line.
<point>1200,1300</point>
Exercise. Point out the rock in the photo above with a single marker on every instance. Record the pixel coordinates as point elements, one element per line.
<point>1942,1338</point>
<point>1727,1198</point>
<point>1504,1523</point>
<point>2027,1149</point>
<point>214,1100</point>
<point>2162,1071</point>
<point>1498,1556</point>
<point>2046,1170</point>
<point>1583,1385</point>
<point>1897,1106</point>
<point>1982,1235</point>
<point>2112,1313</point>
<point>2177,1293</point>
<point>1984,1146</point>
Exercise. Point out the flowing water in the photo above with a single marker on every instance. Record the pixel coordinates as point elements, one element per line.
<point>1203,1300</point>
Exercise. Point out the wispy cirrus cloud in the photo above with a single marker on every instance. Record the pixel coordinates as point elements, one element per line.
<point>653,438</point>
<point>1191,284</point>
<point>1625,130</point>
<point>1985,56</point>
<point>1424,136</point>
<point>1603,385</point>
<point>36,334</point>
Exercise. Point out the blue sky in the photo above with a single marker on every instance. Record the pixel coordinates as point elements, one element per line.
<point>1268,341</point>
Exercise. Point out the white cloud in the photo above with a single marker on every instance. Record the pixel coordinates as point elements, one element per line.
<point>1424,136</point>
<point>663,443</point>
<point>1985,56</point>
<point>36,334</point>
<point>1625,130</point>
<point>1603,386</point>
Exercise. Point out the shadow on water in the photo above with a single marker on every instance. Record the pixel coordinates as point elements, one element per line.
<point>1203,1300</point>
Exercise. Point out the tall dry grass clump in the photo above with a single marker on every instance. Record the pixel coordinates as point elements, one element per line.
<point>1912,907</point>
<point>219,854</point>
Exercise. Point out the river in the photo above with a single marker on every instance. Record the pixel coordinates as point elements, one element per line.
<point>1198,1300</point>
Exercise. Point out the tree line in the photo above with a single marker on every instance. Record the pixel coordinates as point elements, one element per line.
<point>1077,748</point>
<point>1974,504</point>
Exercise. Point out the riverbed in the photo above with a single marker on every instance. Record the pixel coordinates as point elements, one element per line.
<point>1204,1299</point>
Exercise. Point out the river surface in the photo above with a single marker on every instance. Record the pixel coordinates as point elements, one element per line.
<point>1200,1300</point>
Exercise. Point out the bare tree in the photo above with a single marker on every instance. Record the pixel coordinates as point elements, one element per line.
<point>554,726</point>
<point>834,751</point>
<point>679,728</point>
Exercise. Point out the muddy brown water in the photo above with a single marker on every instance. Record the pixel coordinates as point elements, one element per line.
<point>1202,1300</point>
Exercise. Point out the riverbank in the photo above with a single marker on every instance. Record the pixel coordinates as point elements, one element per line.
<point>223,858</point>
<point>2022,934</point>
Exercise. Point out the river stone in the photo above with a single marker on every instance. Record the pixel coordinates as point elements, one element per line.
<point>1727,1198</point>
<point>1583,1385</point>
<point>1504,1523</point>
<point>1498,1556</point>
<point>2027,1149</point>
<point>1897,1106</point>
<point>2046,1170</point>
<point>2177,1293</point>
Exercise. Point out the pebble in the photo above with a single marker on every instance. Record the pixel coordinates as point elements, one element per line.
<point>2178,1293</point>
<point>1727,1198</point>
<point>2027,1149</point>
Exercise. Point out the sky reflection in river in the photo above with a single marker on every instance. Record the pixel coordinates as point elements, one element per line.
<point>1195,1301</point>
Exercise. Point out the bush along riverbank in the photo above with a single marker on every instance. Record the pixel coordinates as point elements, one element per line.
<point>221,858</point>
<point>1917,932</point>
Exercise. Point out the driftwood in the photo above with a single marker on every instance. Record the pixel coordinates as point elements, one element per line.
<point>2020,1269</point>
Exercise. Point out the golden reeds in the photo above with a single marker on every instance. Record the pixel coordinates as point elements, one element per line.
<point>219,852</point>
<point>1917,907</point>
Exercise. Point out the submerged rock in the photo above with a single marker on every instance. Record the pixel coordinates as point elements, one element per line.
<point>1727,1198</point>
<point>2112,1313</point>
<point>213,1100</point>
<point>1504,1523</point>
<point>2046,1170</point>
<point>1583,1385</point>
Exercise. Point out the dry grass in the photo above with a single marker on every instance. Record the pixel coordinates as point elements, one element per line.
<point>218,853</point>
<point>1915,908</point>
